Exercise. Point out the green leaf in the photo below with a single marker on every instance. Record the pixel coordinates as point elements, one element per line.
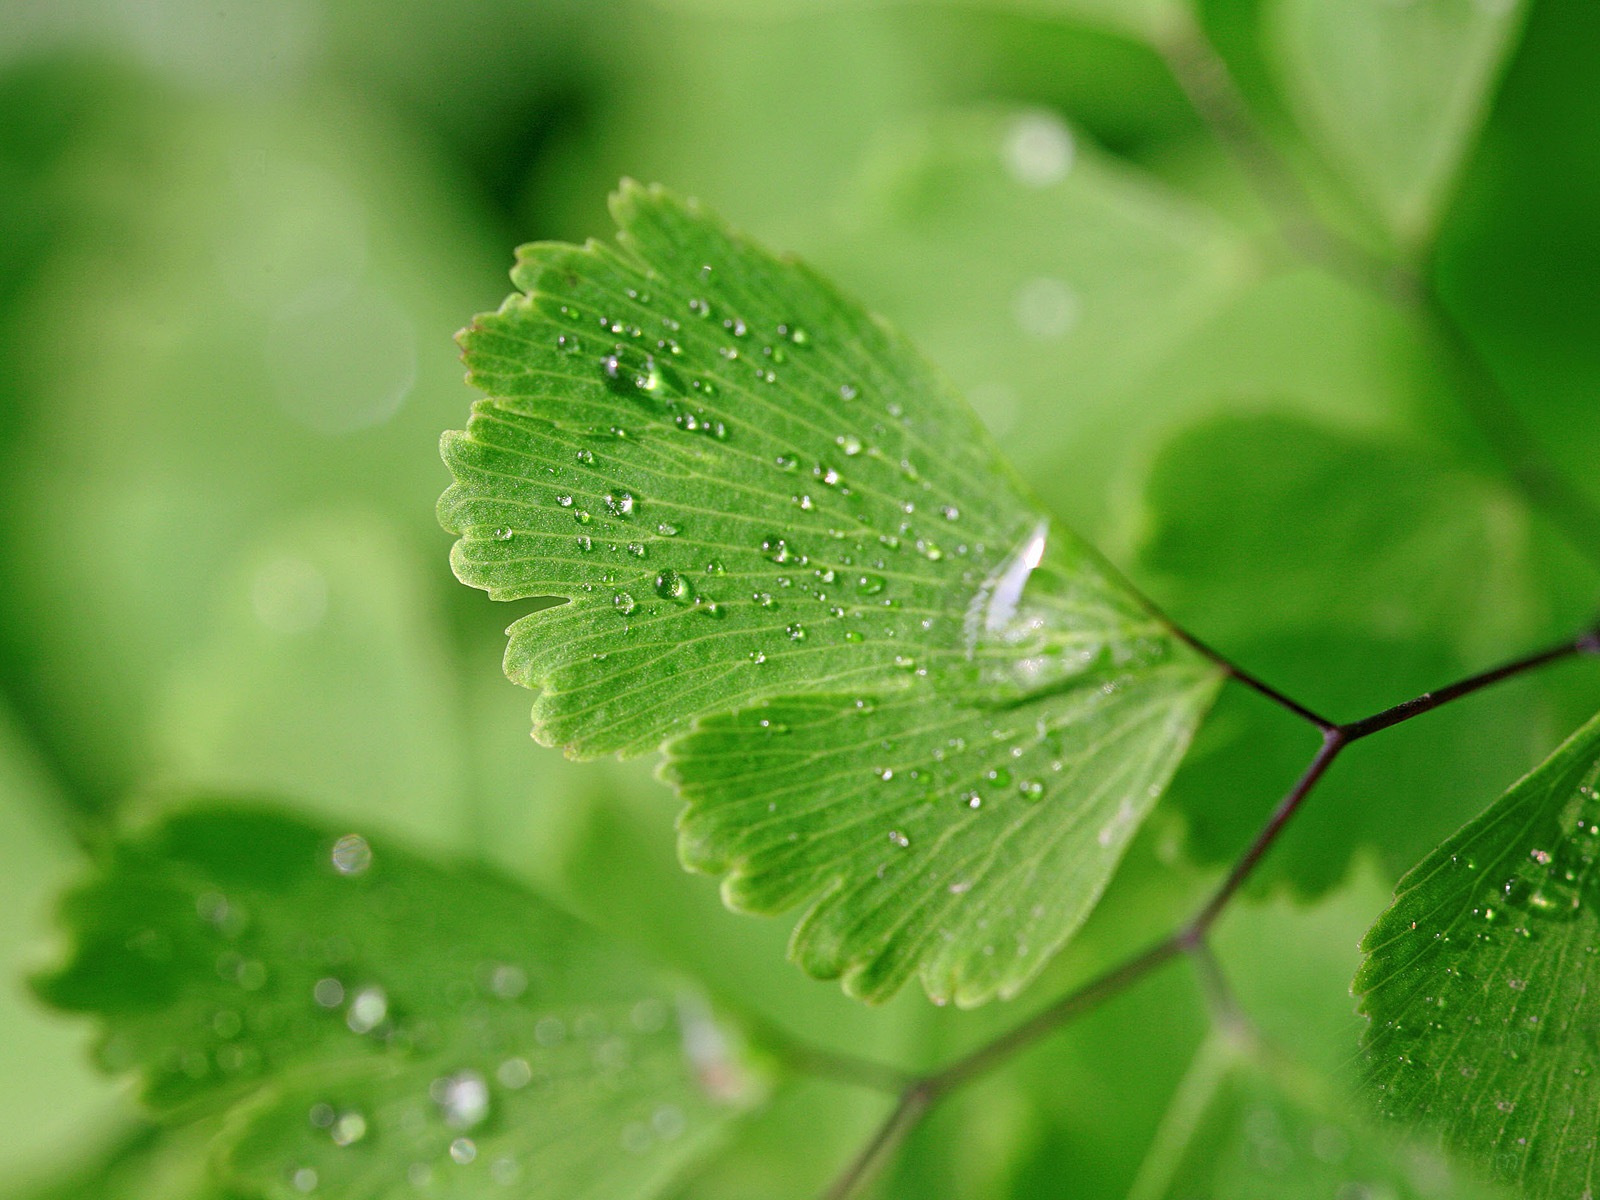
<point>1393,92</point>
<point>1354,571</point>
<point>1480,982</point>
<point>1048,278</point>
<point>1248,1124</point>
<point>722,483</point>
<point>50,1094</point>
<point>1145,19</point>
<point>371,1018</point>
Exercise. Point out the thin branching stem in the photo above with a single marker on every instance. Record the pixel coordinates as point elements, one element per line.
<point>920,1093</point>
<point>1204,77</point>
<point>1254,683</point>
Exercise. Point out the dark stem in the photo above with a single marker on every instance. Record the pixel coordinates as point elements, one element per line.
<point>1333,741</point>
<point>922,1093</point>
<point>1074,1004</point>
<point>908,1110</point>
<point>840,1068</point>
<point>1236,672</point>
<point>1224,1005</point>
<point>1587,643</point>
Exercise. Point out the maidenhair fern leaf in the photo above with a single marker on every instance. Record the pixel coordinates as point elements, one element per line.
<point>731,491</point>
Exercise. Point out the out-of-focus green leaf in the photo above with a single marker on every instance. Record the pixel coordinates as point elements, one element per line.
<point>1009,702</point>
<point>1480,982</point>
<point>1288,963</point>
<point>1137,18</point>
<point>177,368</point>
<point>1353,572</point>
<point>1393,91</point>
<point>50,1095</point>
<point>378,1022</point>
<point>1248,1125</point>
<point>144,1162</point>
<point>325,677</point>
<point>1048,279</point>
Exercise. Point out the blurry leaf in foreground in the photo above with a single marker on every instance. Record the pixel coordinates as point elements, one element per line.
<point>1046,277</point>
<point>146,1162</point>
<point>1394,91</point>
<point>1247,1125</point>
<point>733,484</point>
<point>377,1021</point>
<point>50,1094</point>
<point>1353,571</point>
<point>1481,982</point>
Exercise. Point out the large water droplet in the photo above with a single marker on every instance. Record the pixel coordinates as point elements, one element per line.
<point>463,1099</point>
<point>672,586</point>
<point>351,855</point>
<point>368,1008</point>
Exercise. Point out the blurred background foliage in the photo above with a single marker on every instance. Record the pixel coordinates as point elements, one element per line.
<point>235,239</point>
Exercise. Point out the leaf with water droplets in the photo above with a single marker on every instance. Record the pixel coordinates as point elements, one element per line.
<point>372,1020</point>
<point>1481,982</point>
<point>1394,91</point>
<point>846,533</point>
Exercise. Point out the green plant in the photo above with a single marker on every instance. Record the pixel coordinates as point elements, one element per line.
<point>754,528</point>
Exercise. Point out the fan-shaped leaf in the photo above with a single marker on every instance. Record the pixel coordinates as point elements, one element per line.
<point>724,484</point>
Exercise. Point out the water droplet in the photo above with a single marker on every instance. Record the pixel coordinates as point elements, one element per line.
<point>585,543</point>
<point>503,533</point>
<point>462,1098</point>
<point>505,1170</point>
<point>304,1179</point>
<point>348,1129</point>
<point>972,799</point>
<point>351,855</point>
<point>514,1073</point>
<point>1037,150</point>
<point>779,551</point>
<point>368,1008</point>
<point>715,567</point>
<point>756,656</point>
<point>803,502</point>
<point>1031,789</point>
<point>328,992</point>
<point>507,980</point>
<point>849,443</point>
<point>621,504</point>
<point>999,776</point>
<point>624,603</point>
<point>899,839</point>
<point>787,462</point>
<point>846,392</point>
<point>586,457</point>
<point>672,586</point>
<point>564,501</point>
<point>1046,308</point>
<point>582,516</point>
<point>797,633</point>
<point>667,529</point>
<point>463,1150</point>
<point>870,585</point>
